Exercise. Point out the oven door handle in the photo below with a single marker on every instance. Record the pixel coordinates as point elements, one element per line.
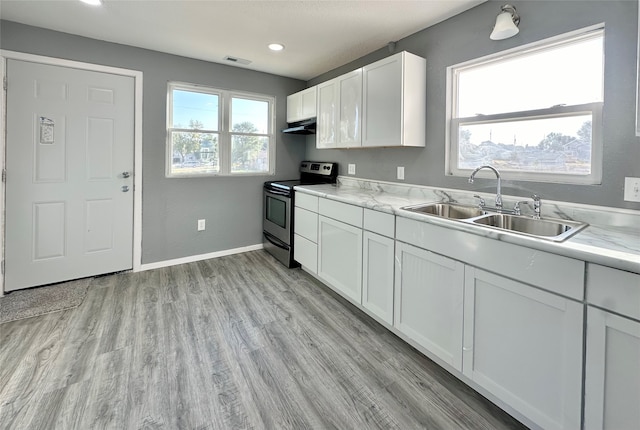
<point>275,241</point>
<point>278,192</point>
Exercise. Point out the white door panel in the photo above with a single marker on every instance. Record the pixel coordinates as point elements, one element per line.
<point>70,137</point>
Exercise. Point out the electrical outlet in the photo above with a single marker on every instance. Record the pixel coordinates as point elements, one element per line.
<point>632,189</point>
<point>401,173</point>
<point>201,224</point>
<point>352,169</point>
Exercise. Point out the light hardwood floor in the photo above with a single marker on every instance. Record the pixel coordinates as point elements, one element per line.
<point>231,343</point>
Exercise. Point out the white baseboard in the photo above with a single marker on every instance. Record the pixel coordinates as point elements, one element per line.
<point>193,258</point>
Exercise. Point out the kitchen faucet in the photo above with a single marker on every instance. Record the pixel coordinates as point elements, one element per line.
<point>499,188</point>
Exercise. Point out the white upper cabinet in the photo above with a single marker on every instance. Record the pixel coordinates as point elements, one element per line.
<point>301,105</point>
<point>350,113</point>
<point>394,101</point>
<point>340,112</point>
<point>326,136</point>
<point>382,104</point>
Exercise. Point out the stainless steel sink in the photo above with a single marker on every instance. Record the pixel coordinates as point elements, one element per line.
<point>447,210</point>
<point>546,228</point>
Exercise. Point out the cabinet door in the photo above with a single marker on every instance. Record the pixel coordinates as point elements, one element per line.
<point>294,107</point>
<point>612,381</point>
<point>308,103</point>
<point>377,275</point>
<point>327,115</point>
<point>382,103</point>
<point>340,257</point>
<point>524,346</point>
<point>350,112</point>
<point>301,105</point>
<point>428,301</point>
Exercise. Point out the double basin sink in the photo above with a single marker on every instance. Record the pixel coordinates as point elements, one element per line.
<point>544,228</point>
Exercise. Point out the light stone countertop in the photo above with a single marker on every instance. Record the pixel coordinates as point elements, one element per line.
<point>611,239</point>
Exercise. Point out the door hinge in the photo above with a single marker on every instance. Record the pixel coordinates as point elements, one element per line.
<point>4,83</point>
<point>2,267</point>
<point>4,175</point>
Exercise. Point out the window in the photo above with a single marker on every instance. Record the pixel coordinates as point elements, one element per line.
<point>535,112</point>
<point>218,132</point>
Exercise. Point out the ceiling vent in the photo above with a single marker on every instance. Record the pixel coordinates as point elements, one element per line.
<point>236,60</point>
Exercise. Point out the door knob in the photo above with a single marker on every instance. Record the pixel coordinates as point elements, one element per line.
<point>125,188</point>
<point>126,174</point>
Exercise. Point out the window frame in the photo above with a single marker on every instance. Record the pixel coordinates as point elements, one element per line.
<point>224,132</point>
<point>595,109</point>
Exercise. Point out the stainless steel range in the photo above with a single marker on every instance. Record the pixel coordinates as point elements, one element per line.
<point>279,203</point>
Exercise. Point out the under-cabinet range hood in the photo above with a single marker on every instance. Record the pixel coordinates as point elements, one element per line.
<point>308,126</point>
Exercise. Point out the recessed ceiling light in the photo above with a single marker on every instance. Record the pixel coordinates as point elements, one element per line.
<point>92,2</point>
<point>276,46</point>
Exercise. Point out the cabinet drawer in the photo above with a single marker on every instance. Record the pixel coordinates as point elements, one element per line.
<point>614,290</point>
<point>306,224</point>
<point>379,222</point>
<point>341,211</point>
<point>305,252</point>
<point>306,201</point>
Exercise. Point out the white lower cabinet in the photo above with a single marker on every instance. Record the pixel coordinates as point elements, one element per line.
<point>524,346</point>
<point>306,253</point>
<point>612,382</point>
<point>429,301</point>
<point>340,257</point>
<point>377,275</point>
<point>520,343</point>
<point>305,239</point>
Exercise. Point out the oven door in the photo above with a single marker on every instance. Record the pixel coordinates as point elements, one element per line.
<point>277,215</point>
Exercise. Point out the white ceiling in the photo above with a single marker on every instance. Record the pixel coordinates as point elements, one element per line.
<point>319,35</point>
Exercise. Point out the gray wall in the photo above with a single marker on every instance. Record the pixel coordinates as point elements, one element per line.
<point>466,36</point>
<point>231,206</point>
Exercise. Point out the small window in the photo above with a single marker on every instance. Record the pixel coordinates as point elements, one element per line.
<point>535,112</point>
<point>218,132</point>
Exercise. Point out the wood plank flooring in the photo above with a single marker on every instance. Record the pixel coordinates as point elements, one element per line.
<point>238,342</point>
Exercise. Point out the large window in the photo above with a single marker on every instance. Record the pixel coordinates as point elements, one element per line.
<point>535,112</point>
<point>218,132</point>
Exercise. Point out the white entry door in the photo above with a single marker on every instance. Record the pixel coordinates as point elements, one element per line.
<point>69,184</point>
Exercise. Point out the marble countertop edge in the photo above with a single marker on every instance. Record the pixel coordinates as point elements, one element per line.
<point>608,245</point>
